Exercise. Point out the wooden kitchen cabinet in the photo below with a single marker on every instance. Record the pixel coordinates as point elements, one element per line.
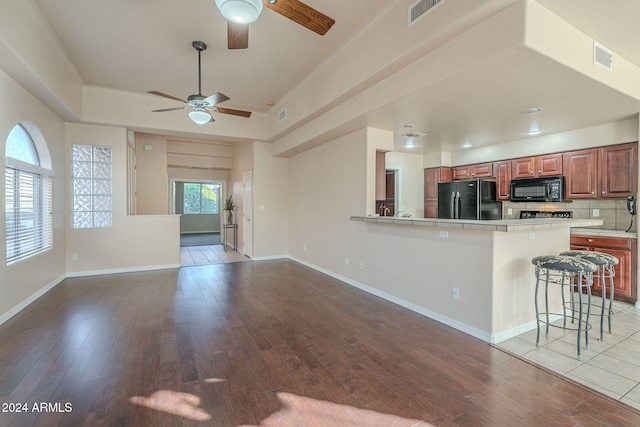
<point>535,166</point>
<point>625,273</point>
<point>480,170</point>
<point>502,172</point>
<point>581,174</point>
<point>381,175</point>
<point>619,171</point>
<point>432,176</point>
<point>461,172</point>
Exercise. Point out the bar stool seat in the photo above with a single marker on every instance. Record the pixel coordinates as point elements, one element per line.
<point>561,270</point>
<point>605,263</point>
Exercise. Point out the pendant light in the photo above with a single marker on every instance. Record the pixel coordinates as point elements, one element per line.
<point>240,11</point>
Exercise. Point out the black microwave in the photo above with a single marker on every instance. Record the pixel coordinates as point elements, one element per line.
<point>545,189</point>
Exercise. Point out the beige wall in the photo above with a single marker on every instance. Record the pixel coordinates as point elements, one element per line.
<point>134,241</point>
<point>152,190</point>
<point>270,203</point>
<point>23,281</point>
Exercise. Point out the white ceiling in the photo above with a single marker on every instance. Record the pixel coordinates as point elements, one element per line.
<point>143,45</point>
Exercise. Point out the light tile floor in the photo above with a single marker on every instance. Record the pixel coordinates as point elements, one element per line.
<point>610,366</point>
<point>211,254</point>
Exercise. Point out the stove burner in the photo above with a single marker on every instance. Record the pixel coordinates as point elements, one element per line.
<point>545,214</point>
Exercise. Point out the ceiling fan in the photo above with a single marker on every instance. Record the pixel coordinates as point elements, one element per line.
<point>201,105</point>
<point>240,13</point>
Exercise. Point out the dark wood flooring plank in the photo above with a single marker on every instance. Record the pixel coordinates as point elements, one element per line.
<point>271,343</point>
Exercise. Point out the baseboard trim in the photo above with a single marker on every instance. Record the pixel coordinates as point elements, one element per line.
<point>24,304</point>
<point>121,270</point>
<point>463,327</point>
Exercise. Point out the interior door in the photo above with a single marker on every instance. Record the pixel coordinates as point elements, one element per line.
<point>247,215</point>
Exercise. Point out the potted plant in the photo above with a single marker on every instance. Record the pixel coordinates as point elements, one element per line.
<point>229,206</point>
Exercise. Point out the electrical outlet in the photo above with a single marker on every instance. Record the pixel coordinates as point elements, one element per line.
<point>596,213</point>
<point>532,236</point>
<point>304,248</point>
<point>509,211</point>
<point>346,261</point>
<point>443,234</point>
<point>455,294</point>
<point>74,256</point>
<point>362,266</point>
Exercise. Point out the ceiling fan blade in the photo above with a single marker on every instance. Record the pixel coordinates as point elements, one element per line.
<point>216,98</point>
<point>302,14</point>
<point>155,92</point>
<point>169,109</point>
<point>233,112</point>
<point>237,35</point>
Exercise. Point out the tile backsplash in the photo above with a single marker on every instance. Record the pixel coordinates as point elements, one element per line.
<point>613,212</point>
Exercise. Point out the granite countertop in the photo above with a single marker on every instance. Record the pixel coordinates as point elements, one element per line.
<point>506,225</point>
<point>603,232</point>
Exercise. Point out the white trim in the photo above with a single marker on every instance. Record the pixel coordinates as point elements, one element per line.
<point>272,257</point>
<point>463,327</point>
<point>122,270</point>
<point>28,167</point>
<point>24,304</point>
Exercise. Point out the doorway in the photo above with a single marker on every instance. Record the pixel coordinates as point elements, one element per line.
<point>391,201</point>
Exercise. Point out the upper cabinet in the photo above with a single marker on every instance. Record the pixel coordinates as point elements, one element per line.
<point>502,171</point>
<point>581,174</point>
<point>532,167</point>
<point>432,176</point>
<point>605,172</point>
<point>480,170</point>
<point>619,171</point>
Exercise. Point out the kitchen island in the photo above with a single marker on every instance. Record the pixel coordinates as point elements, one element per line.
<point>476,276</point>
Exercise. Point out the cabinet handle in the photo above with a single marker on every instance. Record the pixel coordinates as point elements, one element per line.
<point>589,240</point>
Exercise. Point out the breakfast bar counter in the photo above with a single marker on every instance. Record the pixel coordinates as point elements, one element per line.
<point>506,225</point>
<point>475,276</point>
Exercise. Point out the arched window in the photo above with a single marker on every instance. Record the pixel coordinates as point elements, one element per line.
<point>28,194</point>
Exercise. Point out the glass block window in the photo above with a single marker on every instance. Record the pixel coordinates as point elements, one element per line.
<point>91,186</point>
<point>28,198</point>
<point>201,198</point>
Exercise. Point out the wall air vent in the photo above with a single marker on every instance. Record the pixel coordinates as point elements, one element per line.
<point>282,114</point>
<point>421,8</point>
<point>602,56</point>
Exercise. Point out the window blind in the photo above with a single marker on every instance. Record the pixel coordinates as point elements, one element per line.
<point>29,216</point>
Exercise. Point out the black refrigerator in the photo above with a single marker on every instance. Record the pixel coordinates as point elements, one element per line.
<point>473,199</point>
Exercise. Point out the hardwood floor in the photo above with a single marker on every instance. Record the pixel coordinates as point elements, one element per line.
<point>270,343</point>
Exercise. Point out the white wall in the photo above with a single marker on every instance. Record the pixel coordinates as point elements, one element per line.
<point>23,281</point>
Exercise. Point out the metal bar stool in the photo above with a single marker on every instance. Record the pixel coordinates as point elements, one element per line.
<point>605,263</point>
<point>562,270</point>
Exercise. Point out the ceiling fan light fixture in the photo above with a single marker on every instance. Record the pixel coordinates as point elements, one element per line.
<point>240,11</point>
<point>200,117</point>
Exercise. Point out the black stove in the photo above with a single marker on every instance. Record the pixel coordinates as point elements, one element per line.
<point>545,214</point>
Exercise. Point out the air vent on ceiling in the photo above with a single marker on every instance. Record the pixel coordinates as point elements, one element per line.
<point>602,56</point>
<point>419,9</point>
<point>282,114</point>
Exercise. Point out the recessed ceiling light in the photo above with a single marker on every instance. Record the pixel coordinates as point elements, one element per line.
<point>534,132</point>
<point>533,110</point>
<point>270,104</point>
<point>410,144</point>
<point>467,145</point>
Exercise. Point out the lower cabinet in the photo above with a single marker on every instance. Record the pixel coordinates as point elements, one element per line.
<point>625,273</point>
